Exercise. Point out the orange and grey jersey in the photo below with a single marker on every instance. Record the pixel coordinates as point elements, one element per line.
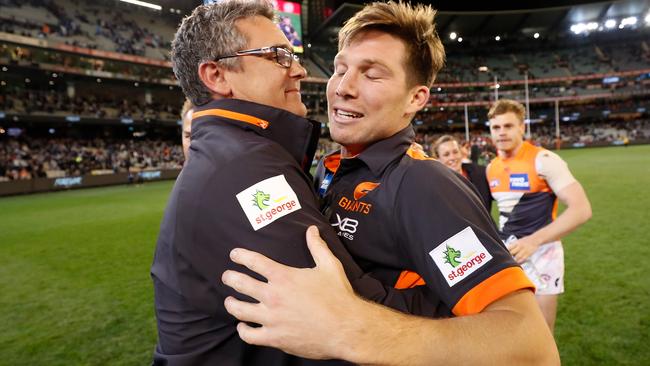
<point>397,211</point>
<point>523,187</point>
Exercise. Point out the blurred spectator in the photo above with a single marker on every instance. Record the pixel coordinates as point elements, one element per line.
<point>109,107</point>
<point>27,158</point>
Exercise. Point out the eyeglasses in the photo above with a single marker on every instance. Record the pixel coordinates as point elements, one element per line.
<point>281,55</point>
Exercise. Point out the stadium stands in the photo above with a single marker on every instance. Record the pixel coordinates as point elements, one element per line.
<point>96,25</point>
<point>54,103</point>
<point>549,62</point>
<point>71,62</point>
<point>26,158</point>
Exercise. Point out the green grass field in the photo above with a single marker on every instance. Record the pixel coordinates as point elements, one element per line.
<point>75,286</point>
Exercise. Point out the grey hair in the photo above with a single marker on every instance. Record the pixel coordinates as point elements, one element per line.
<point>207,33</point>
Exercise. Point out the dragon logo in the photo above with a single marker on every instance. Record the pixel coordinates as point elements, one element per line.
<point>451,256</point>
<point>260,199</point>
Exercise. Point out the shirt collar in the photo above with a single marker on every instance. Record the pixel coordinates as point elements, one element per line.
<point>383,152</point>
<point>297,135</point>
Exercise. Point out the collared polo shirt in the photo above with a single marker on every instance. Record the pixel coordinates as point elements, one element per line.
<point>397,211</point>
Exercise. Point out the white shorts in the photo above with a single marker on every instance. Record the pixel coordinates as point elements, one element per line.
<point>547,270</point>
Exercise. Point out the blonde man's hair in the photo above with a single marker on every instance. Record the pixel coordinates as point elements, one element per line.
<point>414,25</point>
<point>504,106</point>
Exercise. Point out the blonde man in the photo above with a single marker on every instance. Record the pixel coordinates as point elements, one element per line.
<point>526,182</point>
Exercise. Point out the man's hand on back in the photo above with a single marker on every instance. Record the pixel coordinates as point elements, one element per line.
<point>291,298</point>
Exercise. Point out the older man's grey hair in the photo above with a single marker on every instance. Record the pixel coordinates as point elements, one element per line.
<point>207,33</point>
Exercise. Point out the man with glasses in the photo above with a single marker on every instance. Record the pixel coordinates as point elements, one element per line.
<point>246,185</point>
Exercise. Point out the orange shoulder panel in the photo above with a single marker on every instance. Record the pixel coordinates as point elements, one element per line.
<point>408,279</point>
<point>495,287</point>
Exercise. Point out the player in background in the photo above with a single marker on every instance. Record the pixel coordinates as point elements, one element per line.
<point>526,182</point>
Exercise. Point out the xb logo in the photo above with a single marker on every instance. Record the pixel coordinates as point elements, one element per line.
<point>346,224</point>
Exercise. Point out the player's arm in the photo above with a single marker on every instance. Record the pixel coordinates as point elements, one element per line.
<point>570,192</point>
<point>314,313</point>
<point>510,331</point>
<point>497,316</point>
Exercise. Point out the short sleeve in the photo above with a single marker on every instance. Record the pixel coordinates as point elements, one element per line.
<point>553,170</point>
<point>452,242</point>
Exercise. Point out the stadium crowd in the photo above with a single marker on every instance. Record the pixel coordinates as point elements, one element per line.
<point>96,27</point>
<point>44,59</point>
<point>89,105</point>
<point>625,86</point>
<point>27,158</point>
<point>511,62</point>
<point>544,135</point>
<point>598,110</point>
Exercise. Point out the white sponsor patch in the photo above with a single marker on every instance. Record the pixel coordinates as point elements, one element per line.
<point>459,256</point>
<point>267,201</point>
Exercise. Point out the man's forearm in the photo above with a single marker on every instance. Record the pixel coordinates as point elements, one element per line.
<point>578,211</point>
<point>568,221</point>
<point>511,331</point>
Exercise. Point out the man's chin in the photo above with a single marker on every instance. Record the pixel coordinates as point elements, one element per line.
<point>337,136</point>
<point>299,110</point>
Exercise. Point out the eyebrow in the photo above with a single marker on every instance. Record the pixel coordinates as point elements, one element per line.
<point>367,62</point>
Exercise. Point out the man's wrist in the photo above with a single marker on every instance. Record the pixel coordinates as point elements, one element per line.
<point>356,336</point>
<point>375,329</point>
<point>537,240</point>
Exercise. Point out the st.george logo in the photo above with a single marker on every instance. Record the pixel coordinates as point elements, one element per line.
<point>459,256</point>
<point>267,201</point>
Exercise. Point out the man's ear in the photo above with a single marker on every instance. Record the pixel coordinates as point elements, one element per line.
<point>419,99</point>
<point>213,77</point>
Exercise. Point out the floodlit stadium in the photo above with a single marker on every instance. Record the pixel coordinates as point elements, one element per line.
<point>90,149</point>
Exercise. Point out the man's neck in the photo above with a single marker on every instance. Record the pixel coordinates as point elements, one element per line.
<point>507,154</point>
<point>351,151</point>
